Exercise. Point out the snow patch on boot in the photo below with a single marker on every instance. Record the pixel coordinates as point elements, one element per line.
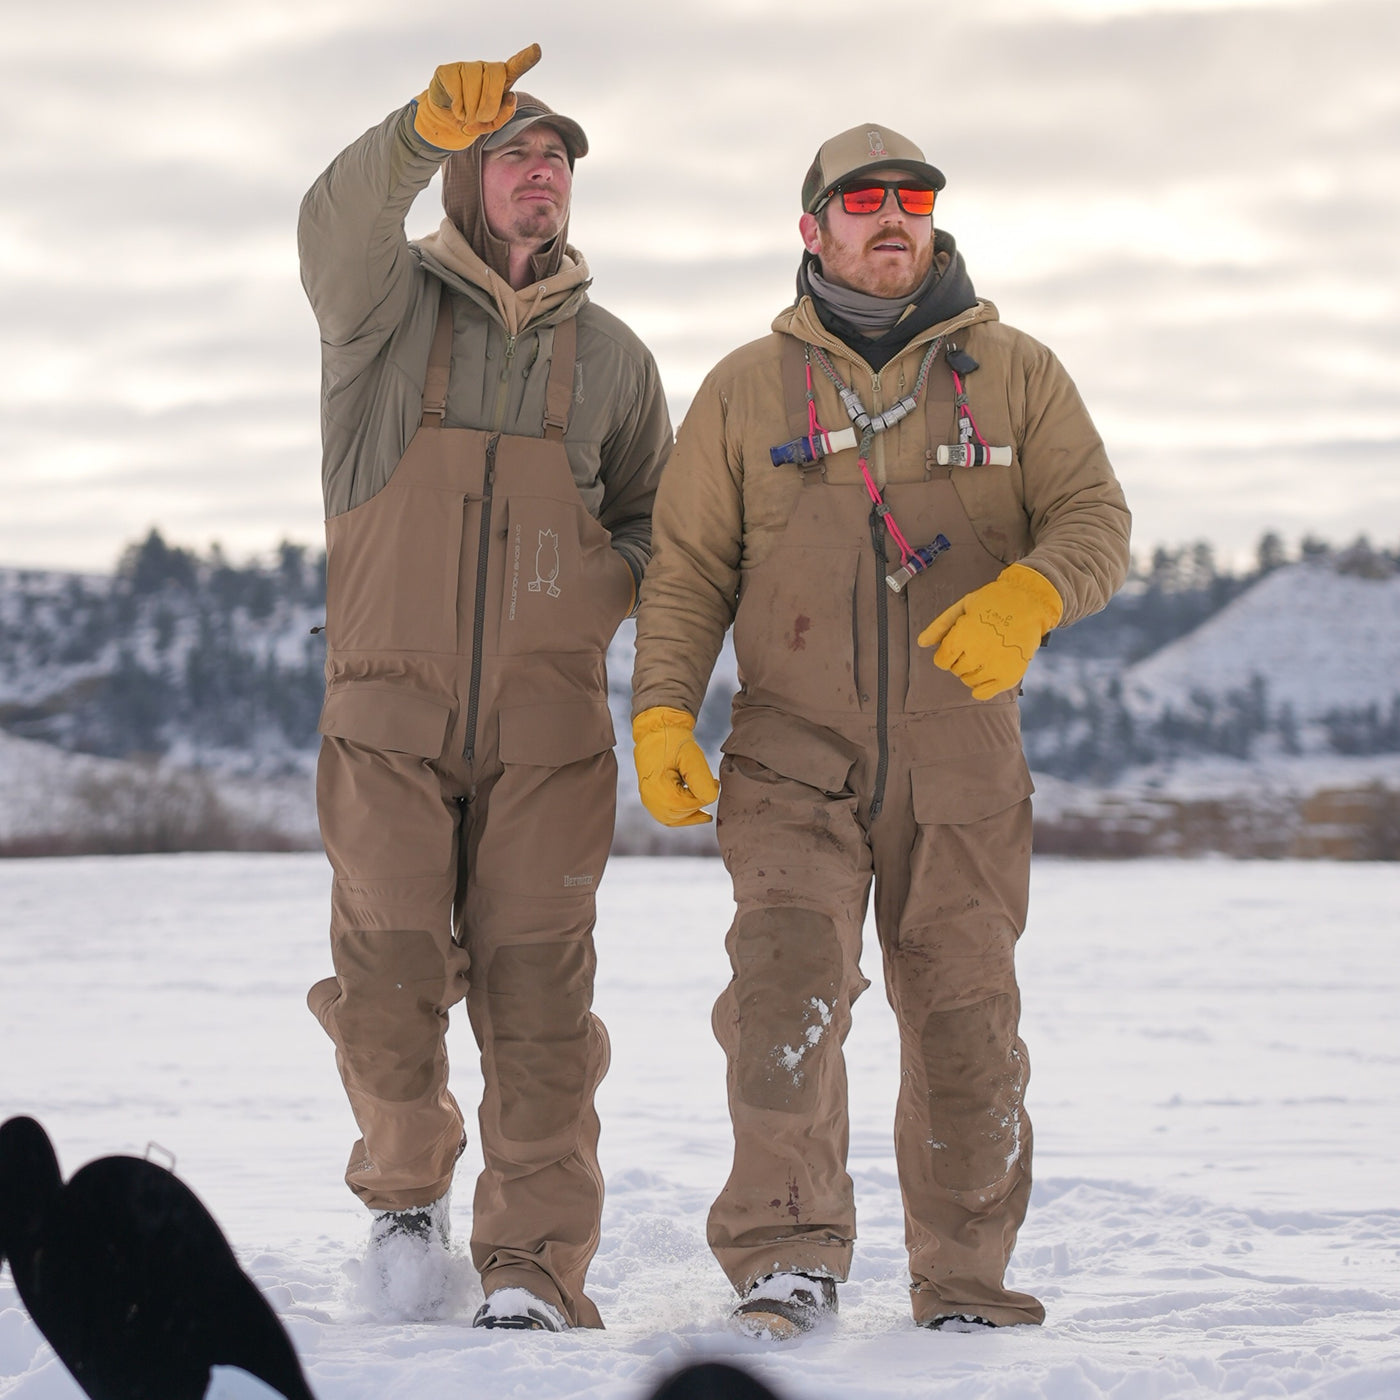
<point>409,1272</point>
<point>784,1305</point>
<point>517,1309</point>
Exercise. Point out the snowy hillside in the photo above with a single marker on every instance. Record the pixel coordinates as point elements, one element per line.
<point>1214,1054</point>
<point>1318,639</point>
<point>1271,728</point>
<point>205,681</point>
<point>189,660</point>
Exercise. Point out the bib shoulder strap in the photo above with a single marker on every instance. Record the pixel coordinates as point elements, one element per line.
<point>794,372</point>
<point>559,390</point>
<point>439,365</point>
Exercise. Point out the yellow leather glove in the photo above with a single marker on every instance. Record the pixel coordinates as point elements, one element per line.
<point>987,638</point>
<point>672,775</point>
<point>467,100</point>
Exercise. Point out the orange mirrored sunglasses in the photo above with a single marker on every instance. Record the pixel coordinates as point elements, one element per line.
<point>868,197</point>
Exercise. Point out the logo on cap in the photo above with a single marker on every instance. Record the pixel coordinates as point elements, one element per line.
<point>877,143</point>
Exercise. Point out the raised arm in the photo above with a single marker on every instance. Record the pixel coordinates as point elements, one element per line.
<point>355,262</point>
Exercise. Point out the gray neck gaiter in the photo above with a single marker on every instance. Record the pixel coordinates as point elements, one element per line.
<point>870,315</point>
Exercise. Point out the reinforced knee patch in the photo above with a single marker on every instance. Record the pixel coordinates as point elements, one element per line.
<point>387,1020</point>
<point>538,999</point>
<point>789,976</point>
<point>976,1079</point>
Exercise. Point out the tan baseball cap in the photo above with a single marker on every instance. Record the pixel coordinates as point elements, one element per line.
<point>528,111</point>
<point>867,147</point>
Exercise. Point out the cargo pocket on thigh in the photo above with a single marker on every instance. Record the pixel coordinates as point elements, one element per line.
<point>969,868</point>
<point>794,748</point>
<point>380,801</point>
<point>968,789</point>
<point>386,717</point>
<point>976,766</point>
<point>785,798</point>
<point>550,823</point>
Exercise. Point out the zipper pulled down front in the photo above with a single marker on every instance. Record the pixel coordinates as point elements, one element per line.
<point>483,549</point>
<point>498,417</point>
<point>882,678</point>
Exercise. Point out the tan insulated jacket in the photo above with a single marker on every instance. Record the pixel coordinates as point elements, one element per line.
<point>1058,508</point>
<point>376,295</point>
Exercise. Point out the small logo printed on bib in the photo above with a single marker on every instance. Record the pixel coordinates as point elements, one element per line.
<point>546,565</point>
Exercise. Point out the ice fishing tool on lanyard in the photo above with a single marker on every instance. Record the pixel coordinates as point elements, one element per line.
<point>819,443</point>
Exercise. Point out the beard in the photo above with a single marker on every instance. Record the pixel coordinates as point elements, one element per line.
<point>894,279</point>
<point>537,223</point>
<point>864,270</point>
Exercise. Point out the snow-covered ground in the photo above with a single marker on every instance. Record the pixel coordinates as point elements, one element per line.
<point>1215,1053</point>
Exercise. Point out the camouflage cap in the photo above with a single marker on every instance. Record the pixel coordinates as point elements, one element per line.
<point>866,147</point>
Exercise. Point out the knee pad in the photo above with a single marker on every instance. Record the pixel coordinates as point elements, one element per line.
<point>976,1075</point>
<point>544,1045</point>
<point>788,984</point>
<point>388,1019</point>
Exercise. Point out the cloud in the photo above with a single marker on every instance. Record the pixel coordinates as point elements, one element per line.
<point>1193,205</point>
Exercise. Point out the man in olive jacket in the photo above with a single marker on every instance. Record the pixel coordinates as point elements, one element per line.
<point>493,441</point>
<point>890,471</point>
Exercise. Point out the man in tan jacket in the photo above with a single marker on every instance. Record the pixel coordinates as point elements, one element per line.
<point>493,441</point>
<point>892,470</point>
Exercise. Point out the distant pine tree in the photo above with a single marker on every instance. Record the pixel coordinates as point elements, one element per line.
<point>174,651</point>
<point>194,653</point>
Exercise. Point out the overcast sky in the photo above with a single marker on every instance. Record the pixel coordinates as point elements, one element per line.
<point>1196,205</point>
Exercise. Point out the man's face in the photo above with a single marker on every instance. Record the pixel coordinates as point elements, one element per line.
<point>525,187</point>
<point>885,254</point>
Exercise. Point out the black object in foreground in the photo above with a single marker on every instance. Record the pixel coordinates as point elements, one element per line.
<point>129,1277</point>
<point>712,1380</point>
<point>137,1290</point>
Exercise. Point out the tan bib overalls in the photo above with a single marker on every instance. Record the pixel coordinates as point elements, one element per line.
<point>853,758</point>
<point>467,789</point>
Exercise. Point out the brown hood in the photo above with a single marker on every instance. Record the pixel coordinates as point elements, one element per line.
<point>461,199</point>
<point>519,310</point>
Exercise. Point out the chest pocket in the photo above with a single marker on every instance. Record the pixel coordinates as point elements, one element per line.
<point>564,588</point>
